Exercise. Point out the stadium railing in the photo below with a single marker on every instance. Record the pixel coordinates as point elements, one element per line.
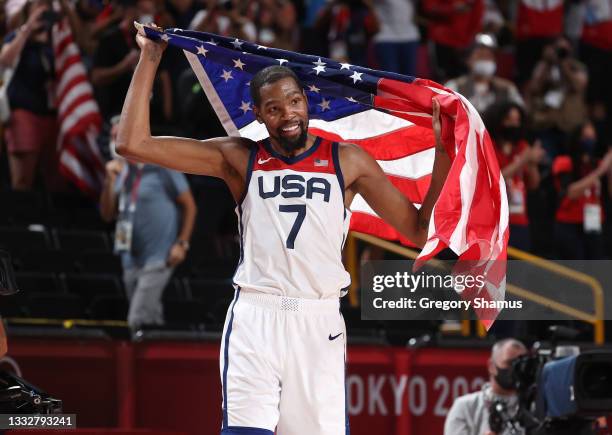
<point>595,318</point>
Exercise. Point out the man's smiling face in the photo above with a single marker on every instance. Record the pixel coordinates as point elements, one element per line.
<point>283,109</point>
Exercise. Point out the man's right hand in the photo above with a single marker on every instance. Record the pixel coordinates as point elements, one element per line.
<point>151,49</point>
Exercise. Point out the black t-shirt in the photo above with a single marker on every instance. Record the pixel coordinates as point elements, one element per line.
<point>114,46</point>
<point>31,86</point>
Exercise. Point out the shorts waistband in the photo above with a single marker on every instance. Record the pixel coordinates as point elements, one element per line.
<point>283,303</point>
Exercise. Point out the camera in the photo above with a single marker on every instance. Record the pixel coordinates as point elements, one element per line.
<point>227,5</point>
<point>48,19</point>
<point>557,395</point>
<point>19,396</point>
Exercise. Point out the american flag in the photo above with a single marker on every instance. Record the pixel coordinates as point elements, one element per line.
<point>388,115</point>
<point>78,115</point>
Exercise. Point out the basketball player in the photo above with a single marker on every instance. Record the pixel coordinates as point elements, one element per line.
<point>283,348</point>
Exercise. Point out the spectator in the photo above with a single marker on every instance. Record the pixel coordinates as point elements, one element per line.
<point>453,24</point>
<point>469,414</point>
<point>276,24</point>
<point>350,26</point>
<point>313,42</point>
<point>155,214</point>
<point>538,23</point>
<point>519,164</point>
<point>115,59</point>
<point>556,95</point>
<point>579,214</point>
<point>182,11</point>
<point>224,19</point>
<point>397,41</point>
<point>481,86</point>
<point>32,128</point>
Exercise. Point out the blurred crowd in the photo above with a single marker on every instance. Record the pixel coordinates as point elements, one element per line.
<point>536,70</point>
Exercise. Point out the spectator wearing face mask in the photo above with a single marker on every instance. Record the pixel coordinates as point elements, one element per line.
<point>556,95</point>
<point>480,86</point>
<point>519,165</point>
<point>469,414</point>
<point>577,176</point>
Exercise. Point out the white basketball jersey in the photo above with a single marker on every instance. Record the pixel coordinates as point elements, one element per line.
<point>293,223</point>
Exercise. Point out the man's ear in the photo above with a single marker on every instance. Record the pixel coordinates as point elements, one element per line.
<point>491,367</point>
<point>256,113</point>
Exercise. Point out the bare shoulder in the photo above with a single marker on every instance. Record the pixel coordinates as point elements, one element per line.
<point>236,151</point>
<point>355,162</point>
<point>236,146</point>
<point>352,154</point>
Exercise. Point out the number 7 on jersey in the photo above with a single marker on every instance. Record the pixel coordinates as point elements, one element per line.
<point>300,209</point>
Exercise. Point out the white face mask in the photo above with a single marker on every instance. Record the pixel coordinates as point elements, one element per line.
<point>484,68</point>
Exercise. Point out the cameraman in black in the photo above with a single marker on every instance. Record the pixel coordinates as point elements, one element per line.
<point>469,414</point>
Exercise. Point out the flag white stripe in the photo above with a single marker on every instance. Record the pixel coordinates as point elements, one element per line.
<point>211,93</point>
<point>72,95</point>
<point>75,166</point>
<point>360,205</point>
<point>69,51</point>
<point>411,167</point>
<point>77,114</point>
<point>75,70</point>
<point>362,125</point>
<point>467,181</point>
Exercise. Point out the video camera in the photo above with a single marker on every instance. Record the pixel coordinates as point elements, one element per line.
<point>16,394</point>
<point>558,394</point>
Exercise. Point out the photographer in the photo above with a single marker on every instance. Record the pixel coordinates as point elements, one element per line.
<point>32,128</point>
<point>556,95</point>
<point>469,414</point>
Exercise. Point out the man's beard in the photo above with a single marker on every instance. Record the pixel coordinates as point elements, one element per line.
<point>290,145</point>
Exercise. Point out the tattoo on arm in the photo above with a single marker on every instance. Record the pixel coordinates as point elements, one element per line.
<point>154,56</point>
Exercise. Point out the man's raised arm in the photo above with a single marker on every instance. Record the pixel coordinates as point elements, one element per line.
<point>219,157</point>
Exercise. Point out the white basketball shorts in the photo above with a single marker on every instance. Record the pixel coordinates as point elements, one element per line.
<point>283,366</point>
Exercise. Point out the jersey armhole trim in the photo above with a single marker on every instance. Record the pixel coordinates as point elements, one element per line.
<point>338,169</point>
<point>249,172</point>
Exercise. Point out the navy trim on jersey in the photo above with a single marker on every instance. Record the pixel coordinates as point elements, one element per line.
<point>294,159</point>
<point>338,169</point>
<point>241,231</point>
<point>226,357</point>
<point>249,172</point>
<point>241,430</point>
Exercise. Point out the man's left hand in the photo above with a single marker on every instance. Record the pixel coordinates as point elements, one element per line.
<point>177,255</point>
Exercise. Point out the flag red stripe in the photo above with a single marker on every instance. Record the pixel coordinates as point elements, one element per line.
<point>77,80</point>
<point>390,146</point>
